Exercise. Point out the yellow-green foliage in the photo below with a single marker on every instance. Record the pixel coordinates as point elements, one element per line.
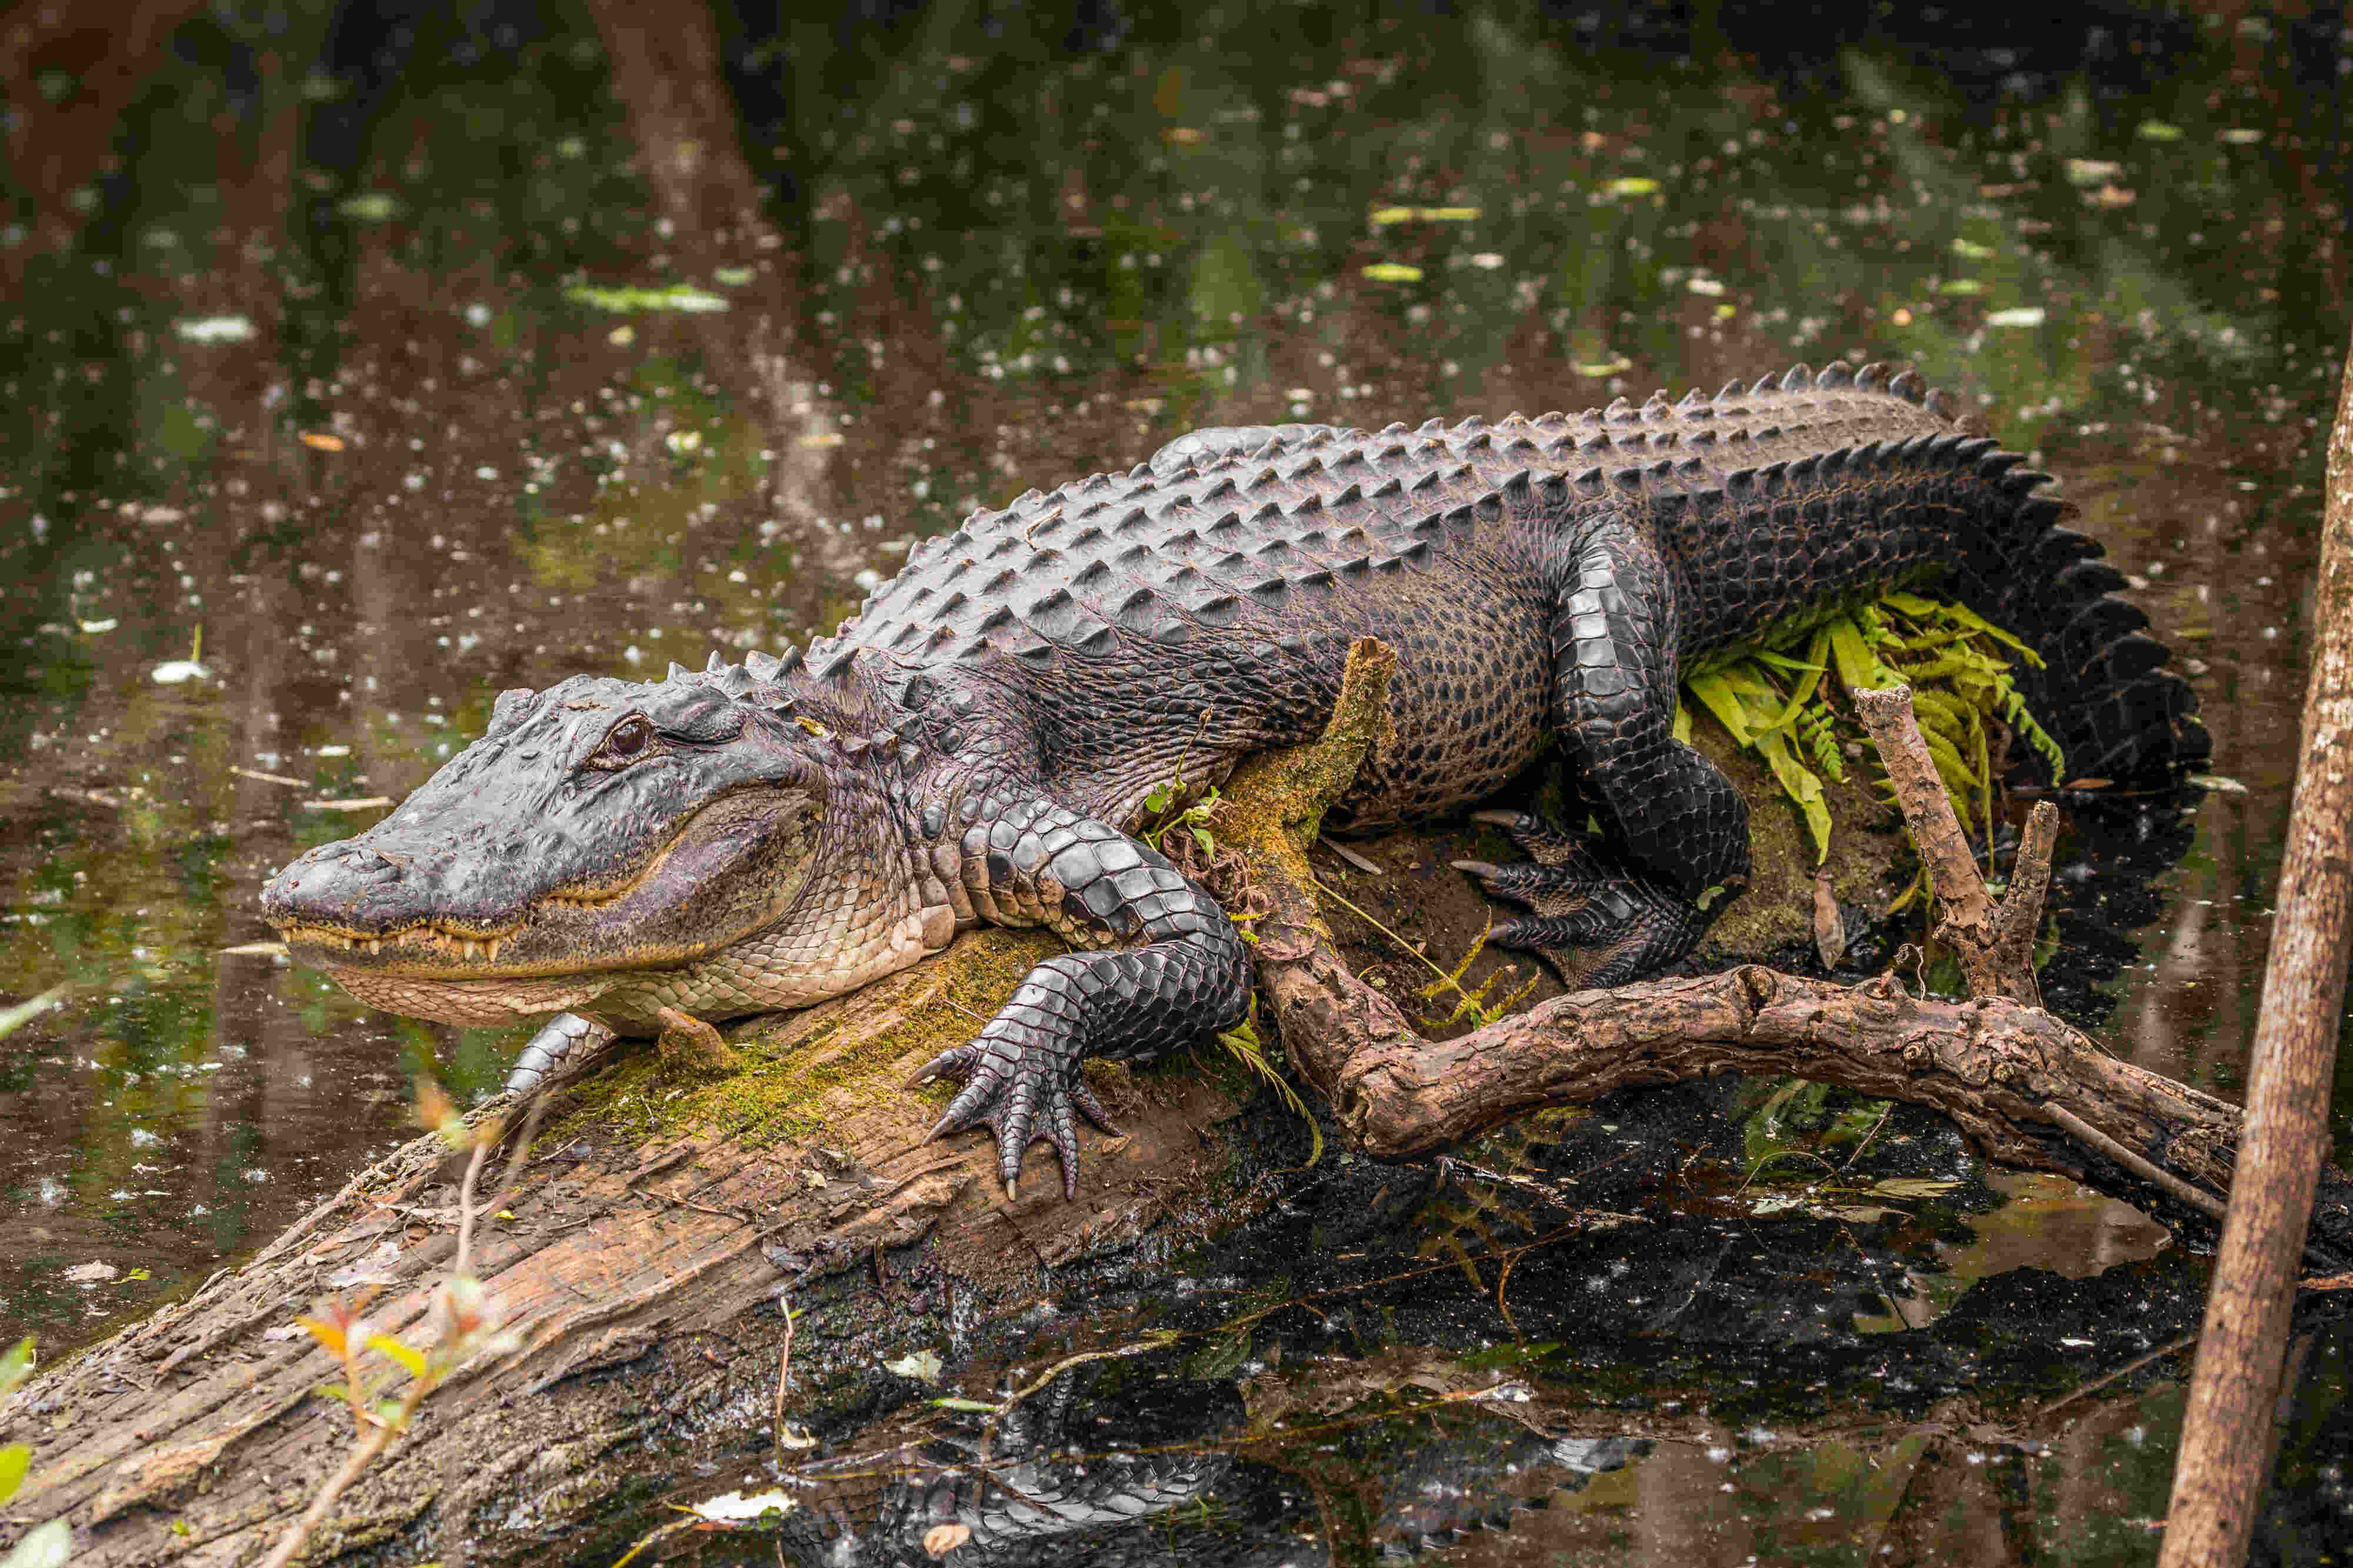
<point>1769,692</point>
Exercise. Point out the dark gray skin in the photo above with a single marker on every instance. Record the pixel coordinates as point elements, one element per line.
<point>976,745</point>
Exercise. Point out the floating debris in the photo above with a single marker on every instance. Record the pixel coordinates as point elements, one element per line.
<point>176,671</point>
<point>923,1366</point>
<point>629,298</point>
<point>1383,217</point>
<point>214,329</point>
<point>1393,272</point>
<point>2018,316</point>
<point>736,1508</point>
<point>369,206</point>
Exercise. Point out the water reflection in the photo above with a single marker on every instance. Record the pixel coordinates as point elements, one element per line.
<point>304,388</point>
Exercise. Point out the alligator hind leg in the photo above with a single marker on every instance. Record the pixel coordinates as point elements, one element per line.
<point>1674,830</point>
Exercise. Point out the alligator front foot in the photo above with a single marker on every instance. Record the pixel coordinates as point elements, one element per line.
<point>1597,924</point>
<point>1021,1081</point>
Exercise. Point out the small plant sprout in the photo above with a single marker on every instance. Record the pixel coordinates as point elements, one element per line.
<point>385,1377</point>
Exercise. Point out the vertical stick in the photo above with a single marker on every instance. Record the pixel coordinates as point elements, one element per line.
<point>2226,1438</point>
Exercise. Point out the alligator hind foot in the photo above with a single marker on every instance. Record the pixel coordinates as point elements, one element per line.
<point>1598,924</point>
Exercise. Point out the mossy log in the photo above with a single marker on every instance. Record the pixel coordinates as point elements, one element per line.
<point>662,1220</point>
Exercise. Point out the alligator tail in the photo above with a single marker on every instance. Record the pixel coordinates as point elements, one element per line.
<point>2104,690</point>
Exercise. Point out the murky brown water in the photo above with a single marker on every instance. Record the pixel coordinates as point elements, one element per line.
<point>345,389</point>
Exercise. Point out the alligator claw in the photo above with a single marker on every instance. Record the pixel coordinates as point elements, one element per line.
<point>1021,1096</point>
<point>1597,924</point>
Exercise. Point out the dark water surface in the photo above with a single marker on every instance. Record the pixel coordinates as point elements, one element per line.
<point>350,374</point>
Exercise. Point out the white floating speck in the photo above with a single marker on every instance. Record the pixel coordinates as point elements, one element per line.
<point>214,329</point>
<point>177,671</point>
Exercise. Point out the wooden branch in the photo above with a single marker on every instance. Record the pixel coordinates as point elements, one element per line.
<point>2006,1072</point>
<point>2227,1434</point>
<point>1994,944</point>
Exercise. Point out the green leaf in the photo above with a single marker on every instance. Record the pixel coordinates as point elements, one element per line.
<point>14,1018</point>
<point>48,1546</point>
<point>1392,272</point>
<point>1858,668</point>
<point>1721,699</point>
<point>14,1461</point>
<point>973,1406</point>
<point>1800,784</point>
<point>1633,185</point>
<point>2158,131</point>
<point>17,1365</point>
<point>413,1360</point>
<point>1222,1358</point>
<point>630,299</point>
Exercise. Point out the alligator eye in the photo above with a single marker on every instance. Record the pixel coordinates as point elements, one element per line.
<point>624,744</point>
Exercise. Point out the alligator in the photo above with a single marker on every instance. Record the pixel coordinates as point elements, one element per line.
<point>978,744</point>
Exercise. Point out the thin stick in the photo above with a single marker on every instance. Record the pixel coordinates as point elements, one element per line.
<point>379,1438</point>
<point>783,1373</point>
<point>464,1263</point>
<point>2017,923</point>
<point>2083,1132</point>
<point>2227,1434</point>
<point>1371,868</point>
<point>2183,1343</point>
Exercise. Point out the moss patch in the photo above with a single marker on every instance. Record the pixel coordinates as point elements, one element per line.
<point>824,1070</point>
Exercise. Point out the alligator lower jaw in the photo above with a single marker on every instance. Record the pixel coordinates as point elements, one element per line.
<point>471,1002</point>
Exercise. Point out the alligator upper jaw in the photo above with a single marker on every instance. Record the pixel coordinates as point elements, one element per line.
<point>730,869</point>
<point>334,947</point>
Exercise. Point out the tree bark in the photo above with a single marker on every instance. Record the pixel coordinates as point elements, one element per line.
<point>2226,1438</point>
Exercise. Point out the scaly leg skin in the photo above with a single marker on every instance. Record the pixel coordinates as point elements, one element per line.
<point>1674,826</point>
<point>1595,924</point>
<point>1036,863</point>
<point>564,1045</point>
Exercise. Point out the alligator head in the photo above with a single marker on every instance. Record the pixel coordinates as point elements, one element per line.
<point>610,847</point>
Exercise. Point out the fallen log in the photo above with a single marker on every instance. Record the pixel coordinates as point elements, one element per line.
<point>663,1221</point>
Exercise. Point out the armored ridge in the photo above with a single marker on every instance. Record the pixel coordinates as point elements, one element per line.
<point>974,744</point>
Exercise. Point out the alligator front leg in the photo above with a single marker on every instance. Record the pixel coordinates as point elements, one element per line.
<point>1186,978</point>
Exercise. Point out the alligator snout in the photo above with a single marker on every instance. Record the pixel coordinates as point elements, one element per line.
<point>348,883</point>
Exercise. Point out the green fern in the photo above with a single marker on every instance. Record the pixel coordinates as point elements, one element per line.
<point>1774,699</point>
